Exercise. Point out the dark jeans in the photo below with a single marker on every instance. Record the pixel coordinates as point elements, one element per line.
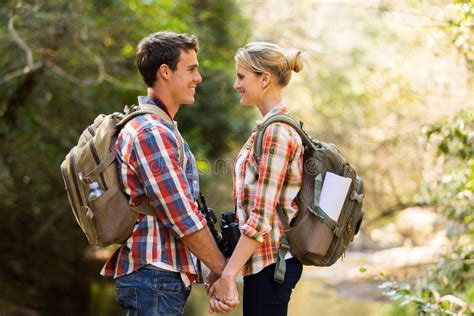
<point>150,292</point>
<point>264,296</point>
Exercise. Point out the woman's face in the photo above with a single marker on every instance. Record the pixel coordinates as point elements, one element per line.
<point>249,85</point>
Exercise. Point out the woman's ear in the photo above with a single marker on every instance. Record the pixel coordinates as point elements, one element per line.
<point>266,78</point>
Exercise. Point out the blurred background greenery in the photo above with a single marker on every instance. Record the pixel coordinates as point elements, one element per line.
<point>390,82</point>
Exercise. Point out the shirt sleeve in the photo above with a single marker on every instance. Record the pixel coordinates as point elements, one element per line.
<point>156,158</point>
<point>278,148</point>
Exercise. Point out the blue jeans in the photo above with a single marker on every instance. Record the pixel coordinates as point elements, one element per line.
<point>150,292</point>
<point>264,296</point>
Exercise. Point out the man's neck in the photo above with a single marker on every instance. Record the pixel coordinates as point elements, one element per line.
<point>164,97</point>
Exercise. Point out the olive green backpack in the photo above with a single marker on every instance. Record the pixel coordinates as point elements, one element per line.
<point>312,236</point>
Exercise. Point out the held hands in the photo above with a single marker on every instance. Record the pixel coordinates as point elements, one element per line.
<point>224,295</point>
<point>210,279</point>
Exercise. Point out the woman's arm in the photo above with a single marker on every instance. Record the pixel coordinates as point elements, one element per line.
<point>225,288</point>
<point>224,291</point>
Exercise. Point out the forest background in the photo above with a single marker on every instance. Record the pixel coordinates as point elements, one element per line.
<point>390,82</point>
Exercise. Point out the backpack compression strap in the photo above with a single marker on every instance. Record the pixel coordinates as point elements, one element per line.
<point>280,269</point>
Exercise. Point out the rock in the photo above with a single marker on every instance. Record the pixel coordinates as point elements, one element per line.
<point>387,236</point>
<point>417,224</point>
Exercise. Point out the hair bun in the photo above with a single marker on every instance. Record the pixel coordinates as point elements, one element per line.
<point>295,60</point>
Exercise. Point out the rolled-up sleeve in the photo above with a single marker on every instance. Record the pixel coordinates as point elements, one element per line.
<point>156,154</point>
<point>277,149</point>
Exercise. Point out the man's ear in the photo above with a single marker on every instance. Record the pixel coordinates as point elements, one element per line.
<point>164,71</point>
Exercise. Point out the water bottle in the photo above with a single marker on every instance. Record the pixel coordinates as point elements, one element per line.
<point>95,191</point>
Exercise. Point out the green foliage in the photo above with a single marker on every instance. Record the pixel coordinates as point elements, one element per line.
<point>454,192</point>
<point>63,63</point>
<point>447,289</point>
<point>423,300</point>
<point>460,28</point>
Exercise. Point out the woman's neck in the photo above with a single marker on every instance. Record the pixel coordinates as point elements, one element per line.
<point>268,103</point>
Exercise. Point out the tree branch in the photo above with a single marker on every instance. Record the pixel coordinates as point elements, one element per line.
<point>20,72</point>
<point>30,64</point>
<point>20,42</point>
<point>394,209</point>
<point>96,58</point>
<point>439,23</point>
<point>122,84</point>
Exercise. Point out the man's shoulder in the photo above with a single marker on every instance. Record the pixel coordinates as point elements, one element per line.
<point>145,124</point>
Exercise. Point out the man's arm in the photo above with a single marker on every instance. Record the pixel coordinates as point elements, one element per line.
<point>155,155</point>
<point>203,246</point>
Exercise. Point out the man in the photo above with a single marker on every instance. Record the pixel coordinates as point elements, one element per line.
<point>154,268</point>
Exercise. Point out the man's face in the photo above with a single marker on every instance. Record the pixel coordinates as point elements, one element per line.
<point>185,78</point>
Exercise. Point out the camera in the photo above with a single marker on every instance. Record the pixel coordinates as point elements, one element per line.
<point>230,232</point>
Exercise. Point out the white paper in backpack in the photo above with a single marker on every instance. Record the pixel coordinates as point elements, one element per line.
<point>333,194</point>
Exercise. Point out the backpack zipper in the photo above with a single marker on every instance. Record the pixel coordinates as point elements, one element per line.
<point>76,184</point>
<point>69,192</point>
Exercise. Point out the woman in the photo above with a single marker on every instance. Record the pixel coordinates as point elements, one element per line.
<point>263,70</point>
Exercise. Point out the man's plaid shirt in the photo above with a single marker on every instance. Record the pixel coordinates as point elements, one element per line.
<point>258,188</point>
<point>147,155</point>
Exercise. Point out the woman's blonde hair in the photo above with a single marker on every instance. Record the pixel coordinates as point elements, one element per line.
<point>260,57</point>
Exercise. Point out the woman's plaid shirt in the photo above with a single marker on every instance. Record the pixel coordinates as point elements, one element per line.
<point>147,154</point>
<point>258,188</point>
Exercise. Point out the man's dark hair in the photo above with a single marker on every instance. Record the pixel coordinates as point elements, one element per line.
<point>162,48</point>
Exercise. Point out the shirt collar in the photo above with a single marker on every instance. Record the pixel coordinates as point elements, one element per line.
<point>151,100</point>
<point>280,107</point>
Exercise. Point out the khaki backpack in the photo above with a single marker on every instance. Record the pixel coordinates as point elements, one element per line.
<point>312,236</point>
<point>109,219</point>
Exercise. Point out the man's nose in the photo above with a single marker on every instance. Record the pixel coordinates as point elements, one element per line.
<point>198,78</point>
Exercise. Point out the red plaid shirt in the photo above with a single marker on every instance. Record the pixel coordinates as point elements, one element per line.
<point>147,155</point>
<point>258,188</point>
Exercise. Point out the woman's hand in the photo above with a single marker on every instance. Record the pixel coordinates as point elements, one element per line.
<point>225,295</point>
<point>225,288</point>
<point>216,306</point>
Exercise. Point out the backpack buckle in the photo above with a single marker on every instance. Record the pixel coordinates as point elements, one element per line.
<point>338,231</point>
<point>356,196</point>
<point>89,212</point>
<point>86,180</point>
<point>129,109</point>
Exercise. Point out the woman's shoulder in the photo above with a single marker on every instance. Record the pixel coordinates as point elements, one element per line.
<point>282,132</point>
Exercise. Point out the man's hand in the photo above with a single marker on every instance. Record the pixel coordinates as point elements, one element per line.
<point>210,279</point>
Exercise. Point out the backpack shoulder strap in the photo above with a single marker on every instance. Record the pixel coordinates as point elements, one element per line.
<point>279,118</point>
<point>153,109</point>
<point>280,269</point>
